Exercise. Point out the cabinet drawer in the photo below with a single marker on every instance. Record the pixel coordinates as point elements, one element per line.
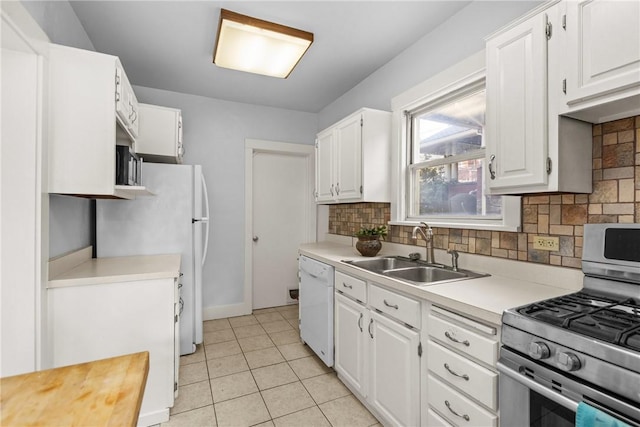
<point>457,408</point>
<point>478,382</point>
<point>462,339</point>
<point>404,309</point>
<point>435,420</point>
<point>351,286</point>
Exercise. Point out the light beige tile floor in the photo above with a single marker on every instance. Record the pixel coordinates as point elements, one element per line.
<point>254,371</point>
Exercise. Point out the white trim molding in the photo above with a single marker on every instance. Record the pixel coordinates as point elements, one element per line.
<point>253,146</point>
<point>466,73</point>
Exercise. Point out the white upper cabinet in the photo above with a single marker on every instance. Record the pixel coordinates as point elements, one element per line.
<point>517,105</point>
<point>126,102</point>
<point>348,160</point>
<point>324,166</point>
<point>160,137</point>
<point>92,108</point>
<point>603,51</point>
<point>353,159</point>
<point>530,148</point>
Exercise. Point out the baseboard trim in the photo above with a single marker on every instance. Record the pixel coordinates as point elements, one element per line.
<point>222,311</point>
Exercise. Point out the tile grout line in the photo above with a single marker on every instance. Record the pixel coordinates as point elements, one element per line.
<point>288,362</point>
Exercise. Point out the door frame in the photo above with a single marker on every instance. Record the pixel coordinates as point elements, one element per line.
<point>253,146</point>
<point>28,37</point>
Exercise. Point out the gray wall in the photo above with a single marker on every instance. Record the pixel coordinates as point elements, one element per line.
<point>454,40</point>
<point>214,136</point>
<point>69,217</point>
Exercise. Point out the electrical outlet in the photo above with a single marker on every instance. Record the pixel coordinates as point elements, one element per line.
<point>546,243</point>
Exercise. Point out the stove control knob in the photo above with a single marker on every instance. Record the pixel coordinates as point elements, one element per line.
<point>568,362</point>
<point>539,350</point>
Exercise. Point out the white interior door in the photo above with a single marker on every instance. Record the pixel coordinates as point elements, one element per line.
<point>280,222</point>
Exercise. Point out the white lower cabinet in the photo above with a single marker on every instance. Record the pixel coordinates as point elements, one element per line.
<point>351,320</point>
<point>460,380</point>
<point>97,321</point>
<point>377,356</point>
<point>394,365</point>
<point>413,363</point>
<point>435,420</point>
<point>456,407</point>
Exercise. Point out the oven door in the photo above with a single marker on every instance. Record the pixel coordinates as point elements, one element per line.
<point>533,395</point>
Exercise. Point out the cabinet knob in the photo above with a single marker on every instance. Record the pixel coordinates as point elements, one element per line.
<point>255,238</point>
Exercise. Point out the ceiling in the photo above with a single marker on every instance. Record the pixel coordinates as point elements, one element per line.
<point>169,44</point>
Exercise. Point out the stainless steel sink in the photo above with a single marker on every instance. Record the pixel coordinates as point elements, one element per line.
<point>417,273</point>
<point>378,265</point>
<point>425,274</point>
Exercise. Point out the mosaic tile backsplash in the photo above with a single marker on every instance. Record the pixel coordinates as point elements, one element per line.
<point>615,198</point>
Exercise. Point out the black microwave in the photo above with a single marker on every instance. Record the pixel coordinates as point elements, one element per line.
<point>128,167</point>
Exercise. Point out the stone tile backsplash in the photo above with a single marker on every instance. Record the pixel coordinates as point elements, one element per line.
<point>615,198</point>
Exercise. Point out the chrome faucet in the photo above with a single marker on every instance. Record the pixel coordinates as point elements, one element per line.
<point>454,259</point>
<point>428,237</point>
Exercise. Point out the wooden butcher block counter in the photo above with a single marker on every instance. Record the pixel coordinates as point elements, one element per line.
<point>105,392</point>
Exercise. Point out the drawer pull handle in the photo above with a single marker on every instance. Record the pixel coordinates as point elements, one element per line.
<point>347,286</point>
<point>370,323</point>
<point>464,417</point>
<point>463,376</point>
<point>465,342</point>
<point>390,305</point>
<point>360,322</point>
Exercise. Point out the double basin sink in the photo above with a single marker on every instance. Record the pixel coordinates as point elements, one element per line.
<point>415,272</point>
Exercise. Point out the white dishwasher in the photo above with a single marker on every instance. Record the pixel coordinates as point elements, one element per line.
<point>316,307</point>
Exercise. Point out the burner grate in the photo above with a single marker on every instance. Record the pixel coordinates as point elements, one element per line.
<point>614,321</point>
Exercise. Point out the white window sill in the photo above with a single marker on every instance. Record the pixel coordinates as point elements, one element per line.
<point>492,225</point>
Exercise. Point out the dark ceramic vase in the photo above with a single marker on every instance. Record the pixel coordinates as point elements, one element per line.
<point>368,245</point>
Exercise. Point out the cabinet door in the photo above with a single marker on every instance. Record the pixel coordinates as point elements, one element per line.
<point>90,322</point>
<point>348,145</point>
<point>516,124</point>
<point>133,110</point>
<point>395,371</point>
<point>325,186</point>
<point>180,146</point>
<point>177,311</point>
<point>603,47</point>
<point>351,321</point>
<point>123,109</point>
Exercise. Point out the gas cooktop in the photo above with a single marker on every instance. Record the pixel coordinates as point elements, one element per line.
<point>614,320</point>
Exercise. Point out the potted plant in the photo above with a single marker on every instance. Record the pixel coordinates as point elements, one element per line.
<point>369,243</point>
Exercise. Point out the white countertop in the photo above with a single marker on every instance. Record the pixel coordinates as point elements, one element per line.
<point>484,298</point>
<point>83,271</point>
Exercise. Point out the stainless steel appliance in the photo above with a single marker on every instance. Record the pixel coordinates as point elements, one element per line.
<point>128,166</point>
<point>582,347</point>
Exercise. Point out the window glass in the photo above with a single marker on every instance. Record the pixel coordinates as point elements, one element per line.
<point>446,159</point>
<point>453,128</point>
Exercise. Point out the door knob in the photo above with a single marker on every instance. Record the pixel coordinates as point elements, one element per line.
<point>255,238</point>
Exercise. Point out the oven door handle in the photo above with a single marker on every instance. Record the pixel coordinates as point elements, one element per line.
<point>540,389</point>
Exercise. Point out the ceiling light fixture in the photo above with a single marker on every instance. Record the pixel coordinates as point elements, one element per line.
<point>256,46</point>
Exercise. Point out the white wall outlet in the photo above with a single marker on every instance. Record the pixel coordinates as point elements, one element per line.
<point>546,243</point>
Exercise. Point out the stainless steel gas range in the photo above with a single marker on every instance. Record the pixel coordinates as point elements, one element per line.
<point>583,347</point>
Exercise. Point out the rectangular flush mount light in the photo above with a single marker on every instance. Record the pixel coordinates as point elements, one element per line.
<point>256,46</point>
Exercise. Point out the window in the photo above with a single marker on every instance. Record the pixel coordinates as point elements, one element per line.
<point>441,155</point>
<point>446,150</point>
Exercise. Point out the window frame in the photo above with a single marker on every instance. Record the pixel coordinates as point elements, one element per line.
<point>461,79</point>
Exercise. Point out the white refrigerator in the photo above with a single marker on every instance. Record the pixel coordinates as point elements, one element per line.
<point>175,220</point>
